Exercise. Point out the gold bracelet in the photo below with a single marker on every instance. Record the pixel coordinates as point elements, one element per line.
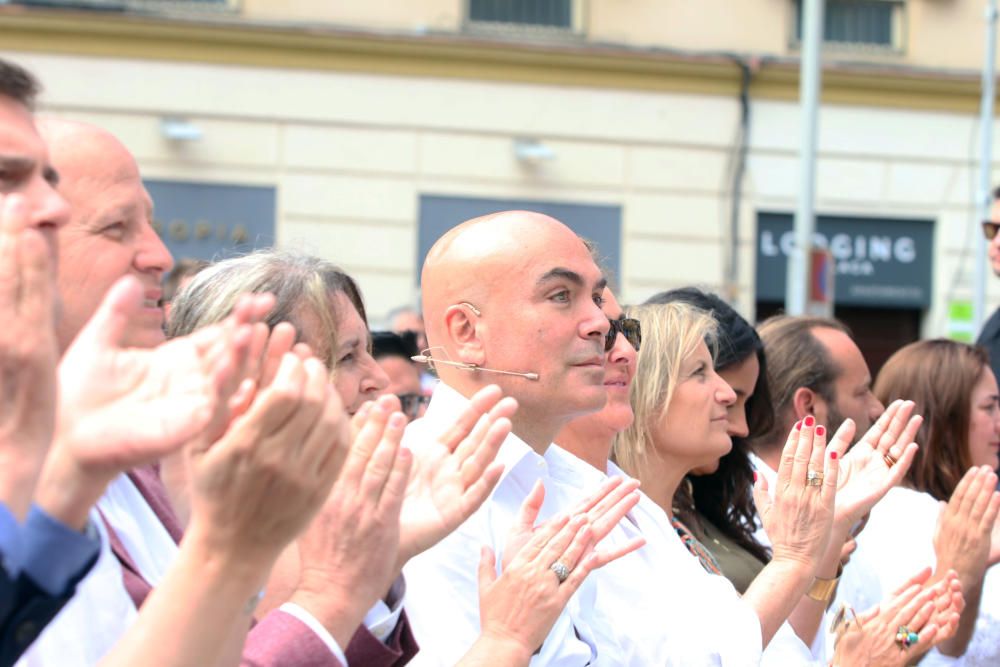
<point>822,590</point>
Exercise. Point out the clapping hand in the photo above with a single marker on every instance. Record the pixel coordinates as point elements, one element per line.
<point>876,463</point>
<point>799,518</point>
<point>963,537</point>
<point>122,407</point>
<point>28,353</point>
<point>453,475</point>
<point>348,555</point>
<point>929,612</point>
<point>600,511</point>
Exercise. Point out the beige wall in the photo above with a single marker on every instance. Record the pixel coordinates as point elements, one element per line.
<point>349,155</point>
<point>937,33</point>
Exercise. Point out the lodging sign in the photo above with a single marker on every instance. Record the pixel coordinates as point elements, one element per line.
<point>882,262</point>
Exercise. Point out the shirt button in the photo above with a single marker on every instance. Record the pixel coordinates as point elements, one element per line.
<point>26,633</point>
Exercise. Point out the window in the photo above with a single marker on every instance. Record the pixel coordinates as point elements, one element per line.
<point>875,23</point>
<point>557,14</point>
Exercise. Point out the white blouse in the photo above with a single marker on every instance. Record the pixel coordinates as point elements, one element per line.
<point>895,545</point>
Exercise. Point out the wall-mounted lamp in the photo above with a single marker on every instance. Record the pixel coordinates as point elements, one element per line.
<point>532,151</point>
<point>180,129</point>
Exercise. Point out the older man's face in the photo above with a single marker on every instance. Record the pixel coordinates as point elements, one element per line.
<point>109,236</point>
<point>25,170</point>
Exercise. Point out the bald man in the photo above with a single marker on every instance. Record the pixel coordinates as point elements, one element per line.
<point>109,236</point>
<point>513,299</point>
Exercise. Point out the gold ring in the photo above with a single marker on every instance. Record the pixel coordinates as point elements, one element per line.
<point>814,478</point>
<point>889,459</point>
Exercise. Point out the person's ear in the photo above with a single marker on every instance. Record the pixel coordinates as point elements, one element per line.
<point>464,328</point>
<point>805,402</point>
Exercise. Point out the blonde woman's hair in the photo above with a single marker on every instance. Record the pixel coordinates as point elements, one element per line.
<point>671,332</point>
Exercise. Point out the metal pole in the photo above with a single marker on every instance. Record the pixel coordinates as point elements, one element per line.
<point>983,198</point>
<point>810,82</point>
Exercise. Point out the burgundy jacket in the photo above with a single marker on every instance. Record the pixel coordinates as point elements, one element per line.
<point>279,639</point>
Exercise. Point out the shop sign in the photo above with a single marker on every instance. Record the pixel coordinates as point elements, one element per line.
<point>212,220</point>
<point>876,261</point>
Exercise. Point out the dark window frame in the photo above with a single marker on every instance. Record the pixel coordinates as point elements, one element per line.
<point>896,23</point>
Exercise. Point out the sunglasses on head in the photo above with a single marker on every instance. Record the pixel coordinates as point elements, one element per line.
<point>990,229</point>
<point>626,326</point>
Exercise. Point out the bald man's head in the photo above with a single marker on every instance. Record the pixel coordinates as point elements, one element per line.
<point>519,291</point>
<point>110,233</point>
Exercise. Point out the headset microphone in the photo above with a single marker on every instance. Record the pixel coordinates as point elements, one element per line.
<point>426,359</point>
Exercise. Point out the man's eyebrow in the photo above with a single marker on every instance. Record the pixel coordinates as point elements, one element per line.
<point>16,162</point>
<point>560,273</point>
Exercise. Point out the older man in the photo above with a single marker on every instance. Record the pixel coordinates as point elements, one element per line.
<point>515,299</point>
<point>112,219</point>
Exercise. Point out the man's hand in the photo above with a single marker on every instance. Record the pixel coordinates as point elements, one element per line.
<point>348,555</point>
<point>453,476</point>
<point>122,407</point>
<point>28,354</point>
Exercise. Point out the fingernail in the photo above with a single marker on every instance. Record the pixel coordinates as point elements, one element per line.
<point>397,420</point>
<point>754,476</point>
<point>820,430</point>
<point>834,455</point>
<point>809,422</point>
<point>798,425</point>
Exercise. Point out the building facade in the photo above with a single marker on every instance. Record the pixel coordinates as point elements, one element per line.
<point>667,130</point>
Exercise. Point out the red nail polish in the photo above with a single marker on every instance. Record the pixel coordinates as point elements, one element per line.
<point>798,425</point>
<point>754,476</point>
<point>820,430</point>
<point>834,455</point>
<point>810,421</point>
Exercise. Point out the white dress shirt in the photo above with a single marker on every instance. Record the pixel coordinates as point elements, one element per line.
<point>443,592</point>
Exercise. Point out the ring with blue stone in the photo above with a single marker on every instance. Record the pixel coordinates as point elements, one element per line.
<point>905,638</point>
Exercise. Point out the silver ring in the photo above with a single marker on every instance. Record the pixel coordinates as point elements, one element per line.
<point>814,478</point>
<point>562,572</point>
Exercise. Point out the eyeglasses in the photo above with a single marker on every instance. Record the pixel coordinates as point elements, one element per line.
<point>411,404</point>
<point>990,229</point>
<point>626,326</point>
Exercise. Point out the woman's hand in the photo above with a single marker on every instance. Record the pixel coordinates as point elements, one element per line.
<point>963,538</point>
<point>876,463</point>
<point>518,609</point>
<point>348,554</point>
<point>602,510</point>
<point>798,520</point>
<point>931,612</point>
